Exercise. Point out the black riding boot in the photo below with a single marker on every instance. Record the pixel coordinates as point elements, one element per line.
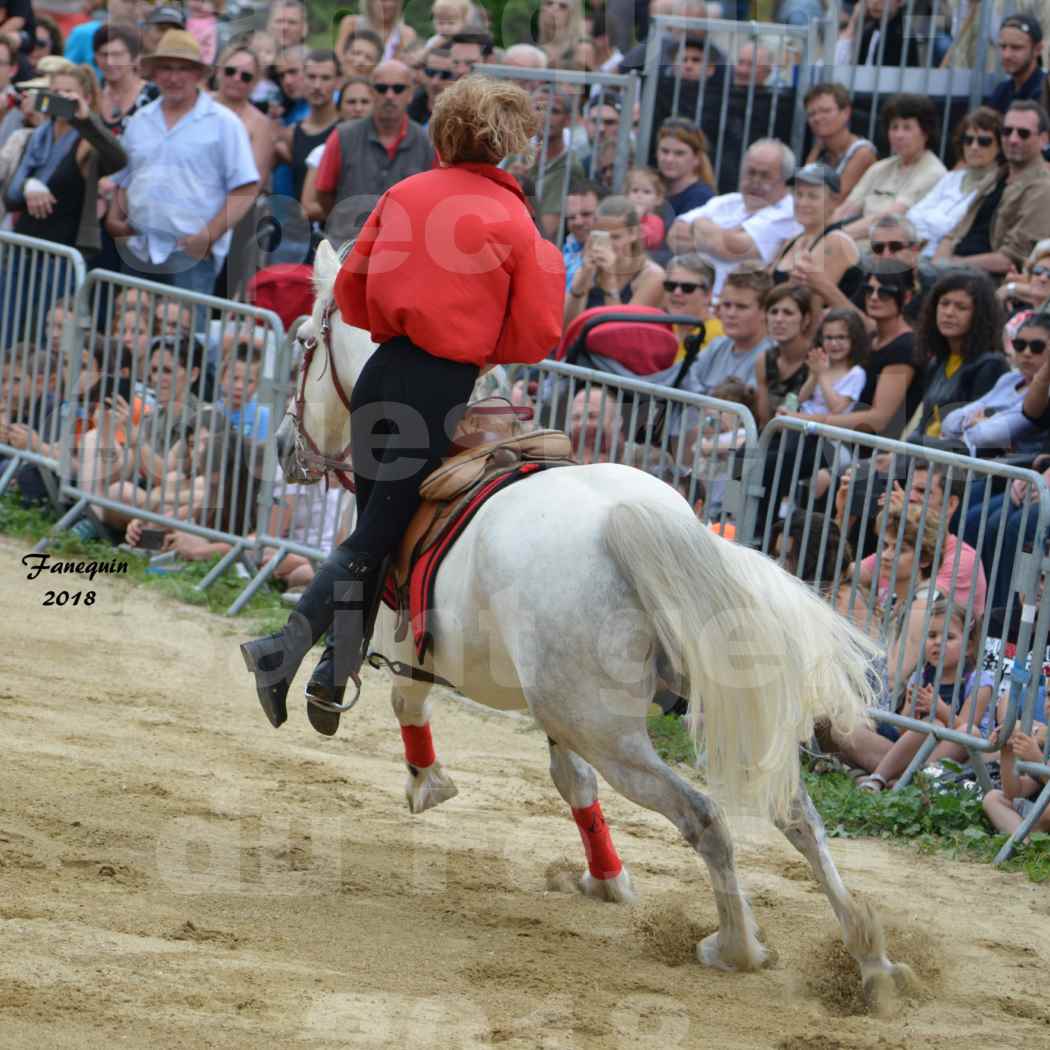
<point>275,659</point>
<point>347,645</point>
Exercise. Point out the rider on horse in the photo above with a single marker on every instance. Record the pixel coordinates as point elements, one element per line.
<point>450,276</point>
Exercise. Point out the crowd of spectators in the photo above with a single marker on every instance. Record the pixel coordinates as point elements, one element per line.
<point>898,287</point>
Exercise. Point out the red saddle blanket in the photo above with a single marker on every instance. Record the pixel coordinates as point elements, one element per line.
<point>415,603</point>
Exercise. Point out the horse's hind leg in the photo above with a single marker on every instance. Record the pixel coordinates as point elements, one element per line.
<point>606,878</point>
<point>861,929</point>
<point>428,784</point>
<point>630,764</point>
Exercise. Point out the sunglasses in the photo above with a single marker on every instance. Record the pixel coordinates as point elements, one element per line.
<point>1033,346</point>
<point>383,89</point>
<point>1040,271</point>
<point>441,74</point>
<point>984,141</point>
<point>241,74</point>
<point>879,292</point>
<point>881,247</point>
<point>687,287</point>
<point>43,41</point>
<point>1024,134</point>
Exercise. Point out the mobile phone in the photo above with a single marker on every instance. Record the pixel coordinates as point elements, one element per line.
<point>600,238</point>
<point>58,107</point>
<point>152,539</point>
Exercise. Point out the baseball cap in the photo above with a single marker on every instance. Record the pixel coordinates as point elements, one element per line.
<point>817,175</point>
<point>166,15</point>
<point>1026,24</point>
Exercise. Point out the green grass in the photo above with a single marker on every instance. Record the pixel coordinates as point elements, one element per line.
<point>264,613</point>
<point>930,816</point>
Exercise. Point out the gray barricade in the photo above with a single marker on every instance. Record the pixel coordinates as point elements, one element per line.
<point>591,157</point>
<point>38,292</point>
<point>167,416</point>
<point>697,444</point>
<point>894,504</point>
<point>297,523</point>
<point>915,55</point>
<point>731,100</point>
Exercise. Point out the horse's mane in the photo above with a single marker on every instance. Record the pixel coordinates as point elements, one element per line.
<point>326,265</point>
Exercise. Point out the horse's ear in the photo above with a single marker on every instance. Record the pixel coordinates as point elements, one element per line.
<point>326,266</point>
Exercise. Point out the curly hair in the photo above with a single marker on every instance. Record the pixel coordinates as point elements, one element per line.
<point>986,326</point>
<point>478,120</point>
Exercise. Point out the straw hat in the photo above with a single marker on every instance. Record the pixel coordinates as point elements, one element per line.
<point>178,44</point>
<point>47,67</point>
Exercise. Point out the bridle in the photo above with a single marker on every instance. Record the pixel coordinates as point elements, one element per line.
<point>309,458</point>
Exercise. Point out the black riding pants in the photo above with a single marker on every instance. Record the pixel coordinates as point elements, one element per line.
<point>403,411</point>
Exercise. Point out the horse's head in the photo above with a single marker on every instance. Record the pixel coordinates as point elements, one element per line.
<point>314,437</point>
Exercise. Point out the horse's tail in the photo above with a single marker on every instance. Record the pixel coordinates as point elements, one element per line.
<point>764,656</point>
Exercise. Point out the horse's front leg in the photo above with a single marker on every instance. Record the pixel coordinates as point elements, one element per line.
<point>428,784</point>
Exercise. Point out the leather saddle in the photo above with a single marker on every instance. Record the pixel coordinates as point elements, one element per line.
<point>493,438</point>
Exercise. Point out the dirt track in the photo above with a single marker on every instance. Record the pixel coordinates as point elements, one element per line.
<point>175,874</point>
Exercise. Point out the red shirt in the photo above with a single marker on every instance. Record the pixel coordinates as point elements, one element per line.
<point>451,259</point>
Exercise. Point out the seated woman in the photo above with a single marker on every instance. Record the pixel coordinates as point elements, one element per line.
<point>899,181</point>
<point>996,420</point>
<point>615,268</point>
<point>687,292</point>
<point>960,336</point>
<point>819,258</point>
<point>782,370</point>
<point>1021,293</point>
<point>828,114</point>
<point>683,164</point>
<point>978,140</point>
<point>962,701</point>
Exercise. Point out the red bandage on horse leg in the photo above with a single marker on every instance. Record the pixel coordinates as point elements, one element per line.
<point>602,859</point>
<point>419,746</point>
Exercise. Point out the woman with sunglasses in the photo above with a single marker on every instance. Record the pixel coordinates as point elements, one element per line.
<point>1020,293</point>
<point>432,344</point>
<point>996,420</point>
<point>687,292</point>
<point>237,71</point>
<point>978,141</point>
<point>960,338</point>
<point>117,49</point>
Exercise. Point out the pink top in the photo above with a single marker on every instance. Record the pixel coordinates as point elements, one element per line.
<point>970,577</point>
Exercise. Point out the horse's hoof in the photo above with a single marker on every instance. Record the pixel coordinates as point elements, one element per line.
<point>905,980</point>
<point>617,890</point>
<point>752,956</point>
<point>880,994</point>
<point>426,788</point>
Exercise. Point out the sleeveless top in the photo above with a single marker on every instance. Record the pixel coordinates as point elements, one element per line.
<point>849,282</point>
<point>840,167</point>
<point>67,187</point>
<point>596,296</point>
<point>302,146</point>
<point>778,387</point>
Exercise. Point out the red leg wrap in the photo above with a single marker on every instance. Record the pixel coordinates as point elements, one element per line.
<point>419,746</point>
<point>602,858</point>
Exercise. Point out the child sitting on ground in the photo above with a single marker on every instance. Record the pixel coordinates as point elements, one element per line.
<point>1007,808</point>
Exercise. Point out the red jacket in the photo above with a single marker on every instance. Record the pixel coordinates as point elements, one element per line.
<point>451,259</point>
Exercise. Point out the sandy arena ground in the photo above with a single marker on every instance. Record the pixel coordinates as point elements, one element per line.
<point>175,874</point>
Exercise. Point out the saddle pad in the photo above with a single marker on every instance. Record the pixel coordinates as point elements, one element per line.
<point>424,570</point>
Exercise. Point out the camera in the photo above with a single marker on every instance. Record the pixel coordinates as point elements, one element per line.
<point>57,107</point>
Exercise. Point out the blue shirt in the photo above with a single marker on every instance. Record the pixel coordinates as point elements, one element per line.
<point>1006,92</point>
<point>177,179</point>
<point>572,254</point>
<point>695,196</point>
<point>80,47</point>
<point>252,420</point>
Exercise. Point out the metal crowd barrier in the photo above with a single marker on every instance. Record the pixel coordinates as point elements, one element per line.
<point>582,90</point>
<point>165,410</point>
<point>801,484</point>
<point>697,444</point>
<point>952,72</point>
<point>38,291</point>
<point>732,115</point>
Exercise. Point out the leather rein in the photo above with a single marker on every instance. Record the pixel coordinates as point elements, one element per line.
<point>308,454</point>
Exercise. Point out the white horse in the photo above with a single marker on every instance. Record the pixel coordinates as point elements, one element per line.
<point>567,596</point>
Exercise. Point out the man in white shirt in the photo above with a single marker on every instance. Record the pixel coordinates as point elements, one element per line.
<point>191,175</point>
<point>746,226</point>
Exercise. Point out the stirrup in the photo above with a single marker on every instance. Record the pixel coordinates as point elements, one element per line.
<point>333,708</point>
